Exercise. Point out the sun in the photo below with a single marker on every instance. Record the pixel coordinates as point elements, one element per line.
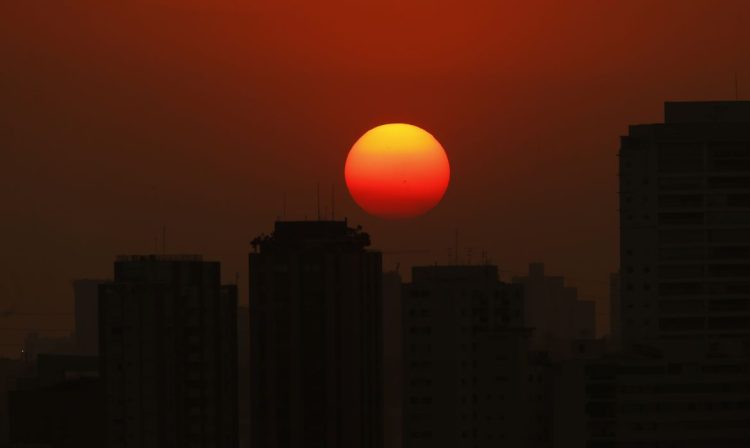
<point>397,170</point>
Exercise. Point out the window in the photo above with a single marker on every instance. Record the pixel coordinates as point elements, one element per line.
<point>681,324</point>
<point>680,218</point>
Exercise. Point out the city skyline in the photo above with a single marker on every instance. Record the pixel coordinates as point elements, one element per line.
<point>343,353</point>
<point>375,224</point>
<point>227,121</point>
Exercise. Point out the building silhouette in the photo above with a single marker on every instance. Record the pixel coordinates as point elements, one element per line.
<point>675,395</point>
<point>35,344</point>
<point>555,313</point>
<point>86,312</point>
<point>63,415</point>
<point>577,419</point>
<point>10,370</point>
<point>243,375</point>
<point>615,320</point>
<point>392,361</point>
<point>57,404</point>
<point>470,378</point>
<point>315,338</point>
<point>681,315</point>
<point>685,224</point>
<point>168,353</point>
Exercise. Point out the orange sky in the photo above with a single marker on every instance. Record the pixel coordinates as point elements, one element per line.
<point>116,119</point>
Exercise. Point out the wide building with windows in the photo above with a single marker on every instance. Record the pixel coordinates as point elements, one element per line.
<point>470,379</point>
<point>685,224</point>
<point>168,343</point>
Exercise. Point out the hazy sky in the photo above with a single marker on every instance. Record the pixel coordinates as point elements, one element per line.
<point>118,119</point>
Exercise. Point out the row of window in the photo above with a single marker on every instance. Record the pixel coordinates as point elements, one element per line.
<point>735,237</point>
<point>710,218</point>
<point>682,406</point>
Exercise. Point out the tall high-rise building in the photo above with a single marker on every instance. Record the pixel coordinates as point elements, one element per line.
<point>470,379</point>
<point>685,224</point>
<point>315,338</point>
<point>392,361</point>
<point>168,354</point>
<point>680,299</point>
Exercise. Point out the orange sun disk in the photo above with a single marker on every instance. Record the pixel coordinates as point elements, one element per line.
<point>397,171</point>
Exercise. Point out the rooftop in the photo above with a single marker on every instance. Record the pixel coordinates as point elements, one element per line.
<point>455,273</point>
<point>707,112</point>
<point>157,257</point>
<point>312,234</point>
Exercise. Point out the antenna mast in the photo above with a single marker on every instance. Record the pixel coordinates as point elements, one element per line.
<point>736,86</point>
<point>318,196</point>
<point>455,252</point>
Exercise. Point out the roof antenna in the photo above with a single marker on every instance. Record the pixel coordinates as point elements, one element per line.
<point>736,86</point>
<point>164,239</point>
<point>283,205</point>
<point>318,196</point>
<point>333,204</point>
<point>455,252</point>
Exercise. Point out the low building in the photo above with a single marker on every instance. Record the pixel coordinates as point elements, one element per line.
<point>86,312</point>
<point>10,370</point>
<point>63,415</point>
<point>58,404</point>
<point>470,379</point>
<point>555,313</point>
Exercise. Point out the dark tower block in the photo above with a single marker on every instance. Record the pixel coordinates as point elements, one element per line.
<point>685,225</point>
<point>315,338</point>
<point>168,347</point>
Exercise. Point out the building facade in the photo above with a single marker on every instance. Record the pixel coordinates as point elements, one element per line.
<point>554,311</point>
<point>392,361</point>
<point>57,404</point>
<point>668,396</point>
<point>685,224</point>
<point>681,306</point>
<point>470,379</point>
<point>86,312</point>
<point>168,354</point>
<point>615,320</point>
<point>315,338</point>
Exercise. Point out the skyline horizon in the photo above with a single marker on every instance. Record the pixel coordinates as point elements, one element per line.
<point>415,258</point>
<point>380,223</point>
